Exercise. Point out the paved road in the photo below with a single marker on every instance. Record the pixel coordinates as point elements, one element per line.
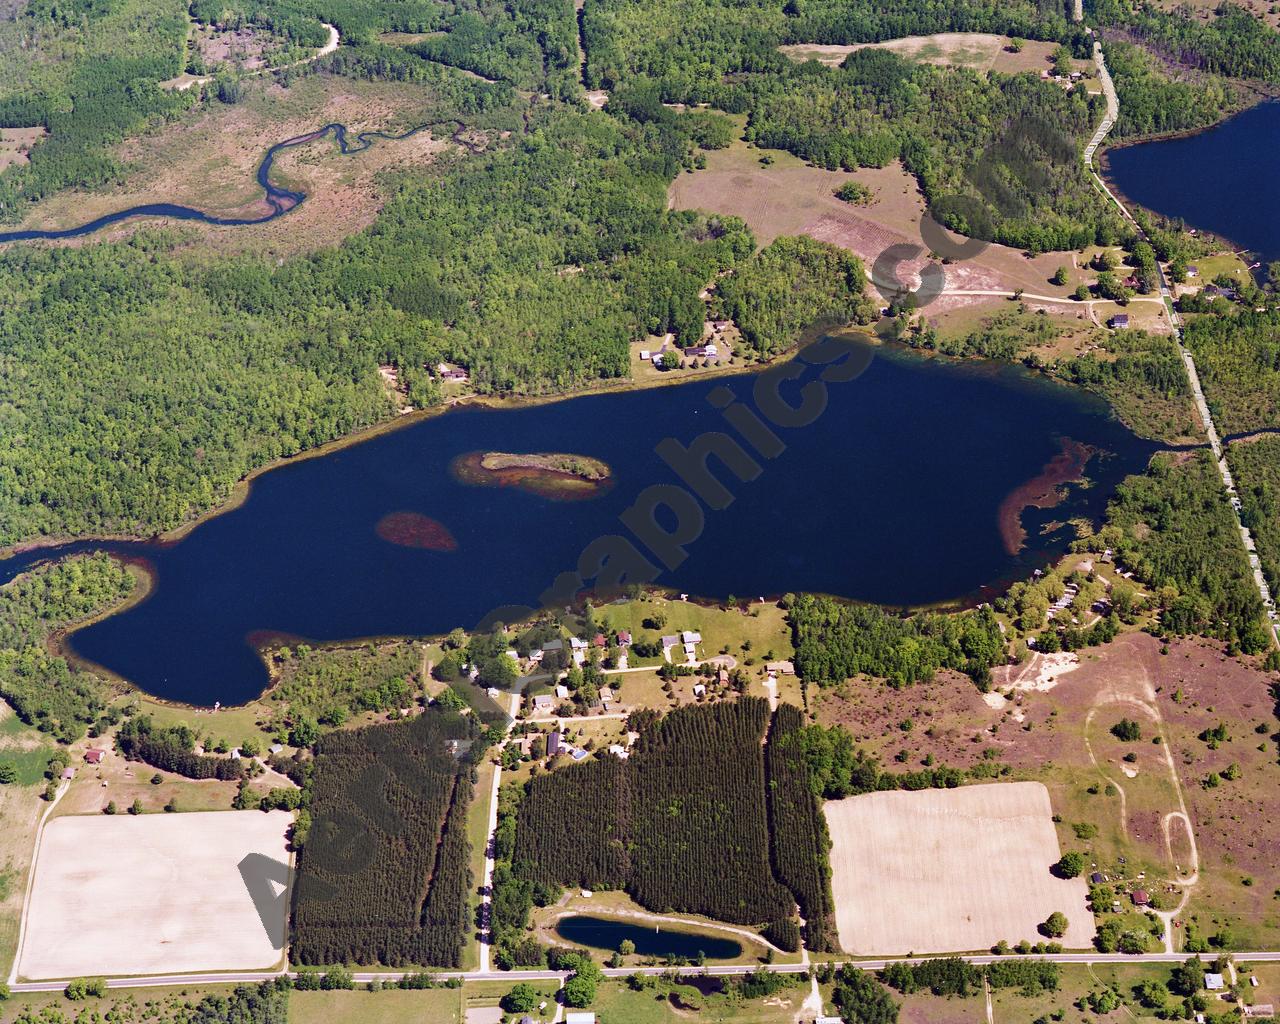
<point>1166,293</point>
<point>233,977</point>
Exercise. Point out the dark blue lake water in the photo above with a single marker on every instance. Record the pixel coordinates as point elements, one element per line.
<point>892,495</point>
<point>1223,180</point>
<point>606,933</point>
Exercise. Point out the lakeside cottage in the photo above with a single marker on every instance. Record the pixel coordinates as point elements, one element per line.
<point>452,373</point>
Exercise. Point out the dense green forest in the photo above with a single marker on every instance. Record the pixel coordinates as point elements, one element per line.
<point>836,641</point>
<point>1175,529</point>
<point>1255,465</point>
<point>792,284</point>
<point>87,73</point>
<point>1234,43</point>
<point>331,685</point>
<point>704,817</point>
<point>403,795</point>
<point>1238,358</point>
<point>44,689</point>
<point>1153,102</point>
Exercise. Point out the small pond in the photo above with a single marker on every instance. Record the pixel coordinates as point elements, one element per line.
<point>607,933</point>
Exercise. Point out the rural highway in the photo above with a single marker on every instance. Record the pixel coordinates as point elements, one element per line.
<point>241,977</point>
<point>1166,293</point>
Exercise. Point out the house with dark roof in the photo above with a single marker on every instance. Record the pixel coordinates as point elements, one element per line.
<point>1119,322</point>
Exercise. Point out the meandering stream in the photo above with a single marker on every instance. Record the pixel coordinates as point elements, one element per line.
<point>280,200</point>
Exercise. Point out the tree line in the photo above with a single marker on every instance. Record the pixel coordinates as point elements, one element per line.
<point>836,641</point>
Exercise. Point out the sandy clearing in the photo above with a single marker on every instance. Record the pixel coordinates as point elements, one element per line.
<point>949,870</point>
<point>158,893</point>
<point>978,51</point>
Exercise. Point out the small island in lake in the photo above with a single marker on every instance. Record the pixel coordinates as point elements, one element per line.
<point>558,475</point>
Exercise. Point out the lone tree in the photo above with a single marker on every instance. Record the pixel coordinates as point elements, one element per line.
<point>1071,865</point>
<point>521,999</point>
<point>1127,729</point>
<point>1055,925</point>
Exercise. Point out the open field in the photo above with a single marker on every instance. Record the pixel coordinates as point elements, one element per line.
<point>978,51</point>
<point>210,162</point>
<point>439,1006</point>
<point>789,197</point>
<point>150,894</point>
<point>20,810</point>
<point>116,780</point>
<point>16,143</point>
<point>1122,796</point>
<point>949,870</point>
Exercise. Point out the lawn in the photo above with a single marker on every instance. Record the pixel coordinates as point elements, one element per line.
<point>616,1003</point>
<point>437,1006</point>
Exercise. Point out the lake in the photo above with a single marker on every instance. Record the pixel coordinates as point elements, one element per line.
<point>608,933</point>
<point>1222,180</point>
<point>895,494</point>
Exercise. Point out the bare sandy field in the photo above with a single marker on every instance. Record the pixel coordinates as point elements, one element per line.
<point>153,894</point>
<point>979,51</point>
<point>16,143</point>
<point>949,870</point>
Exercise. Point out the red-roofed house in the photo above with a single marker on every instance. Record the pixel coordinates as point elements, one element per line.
<point>94,756</point>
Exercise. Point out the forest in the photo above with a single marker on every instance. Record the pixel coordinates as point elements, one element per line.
<point>1255,466</point>
<point>1139,374</point>
<point>1235,43</point>
<point>1238,358</point>
<point>1152,102</point>
<point>836,641</point>
<point>44,688</point>
<point>1173,527</point>
<point>331,685</point>
<point>384,872</point>
<point>790,285</point>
